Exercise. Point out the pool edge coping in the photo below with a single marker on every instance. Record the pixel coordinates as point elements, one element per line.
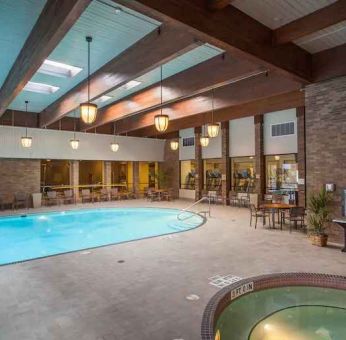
<point>223,298</point>
<point>204,220</point>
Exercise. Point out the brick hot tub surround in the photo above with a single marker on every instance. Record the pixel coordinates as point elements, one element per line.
<point>223,298</point>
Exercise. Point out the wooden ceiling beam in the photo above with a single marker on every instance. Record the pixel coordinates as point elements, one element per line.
<point>245,91</point>
<point>252,108</point>
<point>231,30</point>
<point>56,19</point>
<point>216,5</point>
<point>155,49</point>
<point>316,21</point>
<point>329,63</point>
<point>213,73</point>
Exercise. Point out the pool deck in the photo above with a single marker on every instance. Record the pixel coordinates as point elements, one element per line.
<point>90,295</point>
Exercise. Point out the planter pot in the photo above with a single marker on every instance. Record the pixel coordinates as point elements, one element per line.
<point>319,240</point>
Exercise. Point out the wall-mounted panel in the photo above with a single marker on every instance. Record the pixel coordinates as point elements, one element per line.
<point>214,149</point>
<point>286,142</point>
<point>242,137</point>
<point>188,151</point>
<point>54,144</point>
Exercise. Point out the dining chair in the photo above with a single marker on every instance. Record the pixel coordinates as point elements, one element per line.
<point>295,215</point>
<point>256,213</point>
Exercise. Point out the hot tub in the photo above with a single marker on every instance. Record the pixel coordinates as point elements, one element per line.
<point>292,306</point>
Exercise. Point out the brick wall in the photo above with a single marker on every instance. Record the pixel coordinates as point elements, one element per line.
<point>171,167</point>
<point>325,116</point>
<point>19,175</point>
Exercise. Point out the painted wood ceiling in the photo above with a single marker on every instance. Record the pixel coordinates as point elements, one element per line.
<point>276,13</point>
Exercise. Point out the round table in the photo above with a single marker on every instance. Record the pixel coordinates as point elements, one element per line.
<point>273,207</point>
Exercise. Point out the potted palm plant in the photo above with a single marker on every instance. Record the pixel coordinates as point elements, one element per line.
<point>318,217</point>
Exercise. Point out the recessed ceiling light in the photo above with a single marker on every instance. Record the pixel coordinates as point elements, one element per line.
<point>131,84</point>
<point>118,10</point>
<point>102,99</point>
<point>54,68</point>
<point>40,88</point>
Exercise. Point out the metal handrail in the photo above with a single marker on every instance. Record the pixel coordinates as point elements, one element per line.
<point>187,209</point>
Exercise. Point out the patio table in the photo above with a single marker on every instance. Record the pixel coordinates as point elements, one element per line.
<point>342,224</point>
<point>276,207</point>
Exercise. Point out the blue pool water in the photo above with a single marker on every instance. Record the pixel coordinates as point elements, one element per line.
<point>40,235</point>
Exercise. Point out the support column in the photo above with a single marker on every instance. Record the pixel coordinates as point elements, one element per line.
<point>225,162</point>
<point>74,177</point>
<point>170,166</point>
<point>301,156</point>
<point>107,173</point>
<point>259,157</point>
<point>136,178</point>
<point>199,164</point>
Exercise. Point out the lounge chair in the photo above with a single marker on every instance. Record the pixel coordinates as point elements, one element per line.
<point>104,194</point>
<point>52,198</point>
<point>86,196</point>
<point>114,194</point>
<point>69,196</point>
<point>20,200</point>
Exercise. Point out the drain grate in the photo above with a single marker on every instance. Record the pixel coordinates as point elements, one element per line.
<point>221,281</point>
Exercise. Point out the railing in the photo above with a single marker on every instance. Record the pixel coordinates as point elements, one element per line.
<point>188,209</point>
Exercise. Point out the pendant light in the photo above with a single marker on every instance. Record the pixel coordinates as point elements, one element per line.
<point>174,145</point>
<point>26,140</point>
<point>74,142</point>
<point>161,120</point>
<point>213,128</point>
<point>204,139</point>
<point>88,111</point>
<point>114,146</point>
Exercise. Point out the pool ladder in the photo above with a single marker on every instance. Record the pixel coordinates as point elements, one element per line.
<point>188,209</point>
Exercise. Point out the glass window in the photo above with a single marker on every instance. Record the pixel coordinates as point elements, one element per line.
<point>147,175</point>
<point>55,172</point>
<point>90,172</point>
<point>282,173</point>
<point>212,174</point>
<point>187,174</point>
<point>243,174</point>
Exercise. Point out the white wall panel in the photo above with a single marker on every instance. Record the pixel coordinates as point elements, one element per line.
<point>242,137</point>
<point>280,144</point>
<point>214,149</point>
<point>54,144</point>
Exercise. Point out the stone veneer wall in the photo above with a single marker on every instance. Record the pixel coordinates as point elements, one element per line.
<point>325,116</point>
<point>171,166</point>
<point>19,175</point>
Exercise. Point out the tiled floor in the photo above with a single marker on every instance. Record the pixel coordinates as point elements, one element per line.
<point>138,290</point>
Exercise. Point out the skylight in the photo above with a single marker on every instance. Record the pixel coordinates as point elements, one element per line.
<point>102,99</point>
<point>131,84</point>
<point>40,88</point>
<point>57,69</point>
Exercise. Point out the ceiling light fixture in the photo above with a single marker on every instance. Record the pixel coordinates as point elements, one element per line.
<point>161,120</point>
<point>102,99</point>
<point>26,140</point>
<point>213,128</point>
<point>131,84</point>
<point>204,139</point>
<point>277,158</point>
<point>57,69</point>
<point>74,142</point>
<point>40,88</point>
<point>174,145</point>
<point>88,110</point>
<point>114,145</point>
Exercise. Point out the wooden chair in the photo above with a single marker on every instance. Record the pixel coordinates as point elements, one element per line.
<point>114,194</point>
<point>233,199</point>
<point>295,215</point>
<point>20,200</point>
<point>52,198</point>
<point>69,197</point>
<point>86,196</point>
<point>256,213</point>
<point>104,195</point>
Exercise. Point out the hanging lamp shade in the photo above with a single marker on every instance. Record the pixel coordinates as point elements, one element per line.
<point>174,145</point>
<point>74,143</point>
<point>161,122</point>
<point>204,141</point>
<point>213,130</point>
<point>88,112</point>
<point>114,147</point>
<point>26,142</point>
